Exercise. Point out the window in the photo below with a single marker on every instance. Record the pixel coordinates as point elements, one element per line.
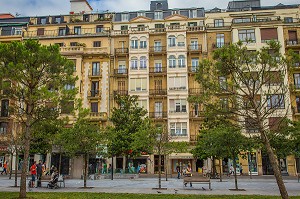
<point>275,101</point>
<point>122,67</point>
<point>142,103</point>
<point>69,87</point>
<point>77,30</point>
<point>223,83</point>
<point>96,69</point>
<point>274,123</point>
<point>219,22</point>
<point>158,15</point>
<point>57,20</point>
<point>94,88</point>
<point>268,34</point>
<point>224,104</point>
<point>125,27</point>
<point>178,128</point>
<point>177,83</point>
<point>143,44</point>
<point>4,108</point>
<point>193,13</point>
<point>143,62</point>
<point>181,61</point>
<point>297,104</point>
<point>292,37</point>
<point>99,28</point>
<point>247,35</point>
<point>194,45</point>
<point>61,31</point>
<point>158,66</point>
<point>181,40</point>
<point>178,106</point>
<point>143,14</point>
<point>174,12</point>
<point>288,19</point>
<point>251,125</point>
<point>67,107</point>
<point>138,84</point>
<point>172,61</point>
<point>3,127</point>
<point>241,20</point>
<point>86,18</point>
<point>124,17</point>
<point>274,78</point>
<point>220,40</point>
<point>141,27</point>
<point>195,64</point>
<point>43,20</point>
<point>73,43</point>
<point>134,63</point>
<point>297,80</point>
<point>134,43</point>
<point>172,41</point>
<point>191,24</point>
<point>40,31</point>
<point>157,46</point>
<point>96,44</point>
<point>94,107</point>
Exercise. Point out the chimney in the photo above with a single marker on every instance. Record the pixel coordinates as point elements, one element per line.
<point>80,6</point>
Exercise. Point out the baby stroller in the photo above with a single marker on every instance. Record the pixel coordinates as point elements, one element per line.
<point>53,182</point>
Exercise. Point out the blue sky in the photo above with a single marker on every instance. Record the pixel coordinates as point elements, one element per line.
<point>56,7</point>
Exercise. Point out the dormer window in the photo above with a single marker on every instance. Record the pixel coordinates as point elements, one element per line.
<point>193,13</point>
<point>142,14</point>
<point>159,6</point>
<point>124,17</point>
<point>158,15</point>
<point>174,12</point>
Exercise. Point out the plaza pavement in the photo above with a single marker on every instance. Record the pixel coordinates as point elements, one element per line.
<point>259,185</point>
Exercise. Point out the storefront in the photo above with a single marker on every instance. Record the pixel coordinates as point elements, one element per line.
<point>252,163</point>
<point>183,160</point>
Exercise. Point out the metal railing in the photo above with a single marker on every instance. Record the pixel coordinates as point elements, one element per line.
<point>120,92</point>
<point>195,48</point>
<point>194,28</point>
<point>121,51</point>
<point>158,115</point>
<point>121,71</point>
<point>157,70</point>
<point>158,91</point>
<point>94,93</point>
<point>195,91</point>
<point>157,49</point>
<point>292,42</point>
<point>225,25</point>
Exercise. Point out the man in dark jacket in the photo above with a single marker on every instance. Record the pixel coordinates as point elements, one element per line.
<point>39,172</point>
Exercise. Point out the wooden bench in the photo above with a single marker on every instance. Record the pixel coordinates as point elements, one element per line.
<point>197,180</point>
<point>47,178</point>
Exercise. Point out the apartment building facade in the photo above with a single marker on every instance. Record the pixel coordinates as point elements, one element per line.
<point>154,54</point>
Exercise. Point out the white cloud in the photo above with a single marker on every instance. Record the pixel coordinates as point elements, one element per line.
<point>55,7</point>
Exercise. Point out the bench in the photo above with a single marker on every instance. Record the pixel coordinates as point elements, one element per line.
<point>47,178</point>
<point>197,180</point>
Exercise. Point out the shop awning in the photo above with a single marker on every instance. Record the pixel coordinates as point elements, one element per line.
<point>181,156</point>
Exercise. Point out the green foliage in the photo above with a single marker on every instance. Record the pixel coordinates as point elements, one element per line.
<point>132,132</point>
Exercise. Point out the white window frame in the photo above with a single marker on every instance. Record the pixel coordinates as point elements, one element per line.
<point>143,63</point>
<point>178,129</point>
<point>180,81</point>
<point>181,61</point>
<point>136,84</point>
<point>124,16</point>
<point>134,63</point>
<point>172,41</point>
<point>172,61</point>
<point>158,15</point>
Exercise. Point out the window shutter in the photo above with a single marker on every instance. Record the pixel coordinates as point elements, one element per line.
<point>268,34</point>
<point>293,35</point>
<point>40,31</point>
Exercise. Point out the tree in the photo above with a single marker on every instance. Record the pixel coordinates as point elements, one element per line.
<point>83,138</point>
<point>37,75</point>
<point>251,86</point>
<point>130,128</point>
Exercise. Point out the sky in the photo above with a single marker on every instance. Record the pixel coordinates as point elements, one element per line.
<point>56,7</point>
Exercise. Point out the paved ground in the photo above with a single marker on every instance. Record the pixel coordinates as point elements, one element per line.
<point>259,185</point>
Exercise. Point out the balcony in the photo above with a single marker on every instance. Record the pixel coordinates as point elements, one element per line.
<point>220,45</point>
<point>195,91</point>
<point>96,51</point>
<point>120,32</point>
<point>158,115</point>
<point>94,94</point>
<point>96,116</point>
<point>195,48</point>
<point>121,72</point>
<point>95,75</point>
<point>252,21</point>
<point>158,92</point>
<point>195,28</point>
<point>83,32</point>
<point>194,138</point>
<point>121,51</point>
<point>181,88</point>
<point>79,50</point>
<point>292,43</point>
<point>157,50</point>
<point>223,26</point>
<point>195,114</point>
<point>157,30</point>
<point>139,29</point>
<point>120,92</point>
<point>74,50</point>
<point>158,70</point>
<point>176,27</point>
<point>178,112</point>
<point>193,69</point>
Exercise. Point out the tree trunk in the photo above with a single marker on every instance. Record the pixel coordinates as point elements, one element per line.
<point>250,166</point>
<point>235,176</point>
<point>275,166</point>
<point>85,169</point>
<point>220,170</point>
<point>59,164</point>
<point>159,170</point>
<point>25,163</point>
<point>16,169</point>
<point>166,168</point>
<point>10,170</point>
<point>213,168</point>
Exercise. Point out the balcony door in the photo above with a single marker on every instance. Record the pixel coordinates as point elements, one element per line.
<point>157,46</point>
<point>121,87</point>
<point>158,109</point>
<point>158,85</point>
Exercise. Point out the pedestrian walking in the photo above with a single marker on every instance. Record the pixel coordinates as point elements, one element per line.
<point>33,173</point>
<point>241,169</point>
<point>178,171</point>
<point>39,172</point>
<point>4,168</point>
<point>231,170</point>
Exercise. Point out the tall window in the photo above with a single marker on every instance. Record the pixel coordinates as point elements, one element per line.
<point>3,127</point>
<point>268,34</point>
<point>61,31</point>
<point>195,64</point>
<point>4,108</point>
<point>134,63</point>
<point>275,101</point>
<point>247,35</point>
<point>158,66</point>
<point>94,107</point>
<point>95,88</point>
<point>77,30</point>
<point>223,83</point>
<point>193,13</point>
<point>220,40</point>
<point>224,103</point>
<point>143,62</point>
<point>134,43</point>
<point>138,84</point>
<point>143,44</point>
<point>172,41</point>
<point>96,69</point>
<point>297,80</point>
<point>181,61</point>
<point>178,106</point>
<point>99,28</point>
<point>194,45</point>
<point>177,83</point>
<point>122,67</point>
<point>124,17</point>
<point>219,22</point>
<point>172,61</point>
<point>158,15</point>
<point>178,128</point>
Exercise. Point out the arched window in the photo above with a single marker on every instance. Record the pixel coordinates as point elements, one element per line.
<point>143,62</point>
<point>134,63</point>
<point>143,42</point>
<point>172,61</point>
<point>181,61</point>
<point>172,41</point>
<point>134,43</point>
<point>181,40</point>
